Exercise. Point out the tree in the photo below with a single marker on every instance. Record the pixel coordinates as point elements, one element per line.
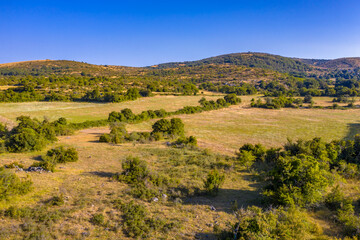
<point>213,182</point>
<point>232,99</point>
<point>297,181</point>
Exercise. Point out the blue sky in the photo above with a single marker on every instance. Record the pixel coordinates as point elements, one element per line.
<point>142,33</point>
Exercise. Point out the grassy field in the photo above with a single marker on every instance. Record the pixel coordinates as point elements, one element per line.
<point>89,189</point>
<point>227,129</point>
<point>79,112</point>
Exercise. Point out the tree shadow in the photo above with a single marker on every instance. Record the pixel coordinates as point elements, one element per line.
<point>38,158</point>
<point>227,200</point>
<point>206,236</point>
<point>353,129</point>
<point>101,174</point>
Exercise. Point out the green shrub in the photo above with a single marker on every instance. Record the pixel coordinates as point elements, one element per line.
<point>134,217</point>
<point>137,224</point>
<point>26,139</point>
<point>246,158</point>
<point>11,185</point>
<point>63,155</point>
<point>105,138</point>
<point>254,223</point>
<point>55,156</point>
<point>335,199</point>
<point>213,182</point>
<point>98,219</point>
<point>185,141</point>
<point>56,201</point>
<point>134,171</point>
<point>297,181</point>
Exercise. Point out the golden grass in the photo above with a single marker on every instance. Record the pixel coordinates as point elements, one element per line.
<point>79,112</point>
<point>89,179</point>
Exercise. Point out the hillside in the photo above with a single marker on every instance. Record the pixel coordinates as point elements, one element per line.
<point>258,60</point>
<point>58,67</point>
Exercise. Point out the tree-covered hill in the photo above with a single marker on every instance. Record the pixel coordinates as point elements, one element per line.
<point>59,67</point>
<point>258,60</point>
<point>340,63</point>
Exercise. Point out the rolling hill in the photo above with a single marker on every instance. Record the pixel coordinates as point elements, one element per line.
<point>257,60</point>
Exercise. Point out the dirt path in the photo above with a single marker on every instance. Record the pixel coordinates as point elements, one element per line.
<point>7,122</point>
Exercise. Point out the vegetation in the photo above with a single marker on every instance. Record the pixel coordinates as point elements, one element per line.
<point>177,189</point>
<point>11,185</point>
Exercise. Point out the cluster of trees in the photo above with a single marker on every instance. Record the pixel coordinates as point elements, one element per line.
<point>21,94</point>
<point>302,173</point>
<point>238,89</point>
<point>277,103</point>
<point>32,134</point>
<point>93,89</point>
<point>162,128</point>
<point>126,115</point>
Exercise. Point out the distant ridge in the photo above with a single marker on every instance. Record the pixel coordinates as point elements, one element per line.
<point>296,66</point>
<point>249,59</point>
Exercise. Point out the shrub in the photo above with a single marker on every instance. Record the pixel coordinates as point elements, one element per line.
<point>137,224</point>
<point>297,181</point>
<point>134,171</point>
<point>55,156</point>
<point>232,99</point>
<point>56,201</point>
<point>63,155</point>
<point>26,139</point>
<point>98,219</point>
<point>11,185</point>
<point>105,138</point>
<point>254,223</point>
<point>246,158</point>
<point>134,217</point>
<point>186,141</point>
<point>213,182</point>
<point>335,199</point>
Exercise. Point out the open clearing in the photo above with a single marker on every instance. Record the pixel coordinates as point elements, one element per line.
<point>89,188</point>
<point>79,112</point>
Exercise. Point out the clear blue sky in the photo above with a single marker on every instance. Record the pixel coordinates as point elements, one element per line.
<point>142,33</point>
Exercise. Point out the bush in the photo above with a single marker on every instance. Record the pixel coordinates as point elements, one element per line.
<point>134,171</point>
<point>335,199</point>
<point>254,223</point>
<point>232,99</point>
<point>62,155</point>
<point>185,141</point>
<point>137,224</point>
<point>246,158</point>
<point>26,139</point>
<point>298,181</point>
<point>213,182</point>
<point>98,219</point>
<point>174,127</point>
<point>11,185</point>
<point>55,156</point>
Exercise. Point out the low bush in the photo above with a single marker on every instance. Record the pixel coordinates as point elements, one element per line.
<point>11,185</point>
<point>55,156</point>
<point>213,182</point>
<point>255,223</point>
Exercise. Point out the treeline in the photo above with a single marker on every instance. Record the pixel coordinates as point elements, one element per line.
<point>291,102</point>
<point>89,89</point>
<point>126,115</point>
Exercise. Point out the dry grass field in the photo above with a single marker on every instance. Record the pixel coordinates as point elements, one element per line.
<point>79,112</point>
<point>88,187</point>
